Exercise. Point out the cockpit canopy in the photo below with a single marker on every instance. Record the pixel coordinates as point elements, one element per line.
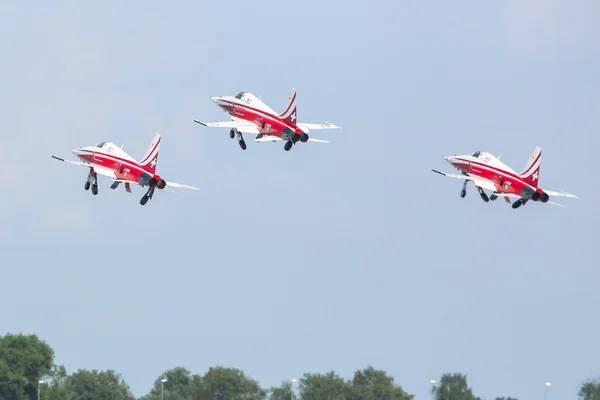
<point>476,154</point>
<point>101,144</point>
<point>240,95</point>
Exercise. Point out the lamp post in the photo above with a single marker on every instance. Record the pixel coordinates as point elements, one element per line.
<point>433,384</point>
<point>39,383</point>
<point>294,380</point>
<point>548,384</point>
<point>162,388</point>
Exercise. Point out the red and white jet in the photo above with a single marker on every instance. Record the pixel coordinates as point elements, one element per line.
<point>110,160</point>
<point>487,172</point>
<point>250,115</point>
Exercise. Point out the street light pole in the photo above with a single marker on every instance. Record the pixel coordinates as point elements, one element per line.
<point>433,383</point>
<point>294,380</point>
<point>548,384</point>
<point>162,388</point>
<point>39,383</point>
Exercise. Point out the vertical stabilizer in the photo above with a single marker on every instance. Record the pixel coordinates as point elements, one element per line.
<point>531,172</point>
<point>289,115</point>
<point>151,156</point>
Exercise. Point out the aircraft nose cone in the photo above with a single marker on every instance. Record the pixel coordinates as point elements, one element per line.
<point>77,152</point>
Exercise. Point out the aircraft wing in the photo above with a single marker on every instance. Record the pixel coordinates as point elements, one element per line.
<point>172,184</point>
<point>481,182</point>
<point>240,125</point>
<point>307,127</point>
<point>181,185</point>
<point>564,194</point>
<point>269,138</point>
<point>97,168</point>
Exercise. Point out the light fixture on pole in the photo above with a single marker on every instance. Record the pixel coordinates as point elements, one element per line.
<point>548,384</point>
<point>294,380</point>
<point>162,388</point>
<point>39,383</point>
<point>433,383</point>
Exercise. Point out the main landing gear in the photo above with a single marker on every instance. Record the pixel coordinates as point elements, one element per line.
<point>519,203</point>
<point>484,196</point>
<point>463,192</point>
<point>295,139</point>
<point>92,180</point>
<point>233,133</point>
<point>147,196</point>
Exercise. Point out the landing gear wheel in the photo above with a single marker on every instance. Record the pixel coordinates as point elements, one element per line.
<point>288,145</point>
<point>243,145</point>
<point>232,133</point>
<point>144,200</point>
<point>94,189</point>
<point>304,138</point>
<point>87,186</point>
<point>463,193</point>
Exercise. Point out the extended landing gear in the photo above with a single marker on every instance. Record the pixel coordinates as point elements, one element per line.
<point>288,145</point>
<point>519,203</point>
<point>147,196</point>
<point>463,192</point>
<point>92,180</point>
<point>484,196</point>
<point>233,133</point>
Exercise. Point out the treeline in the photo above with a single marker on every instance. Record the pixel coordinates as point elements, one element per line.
<point>27,365</point>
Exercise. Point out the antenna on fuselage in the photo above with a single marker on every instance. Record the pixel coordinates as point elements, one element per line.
<point>122,146</point>
<point>499,155</point>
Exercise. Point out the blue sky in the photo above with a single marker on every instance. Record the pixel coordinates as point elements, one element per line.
<point>332,256</point>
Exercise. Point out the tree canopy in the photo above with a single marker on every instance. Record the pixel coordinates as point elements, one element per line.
<point>27,363</point>
<point>590,390</point>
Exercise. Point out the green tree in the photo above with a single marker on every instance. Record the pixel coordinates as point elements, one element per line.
<point>505,398</point>
<point>283,392</point>
<point>323,387</point>
<point>55,387</point>
<point>91,385</point>
<point>222,383</point>
<point>590,390</point>
<point>24,360</point>
<point>371,384</point>
<point>453,387</point>
<point>180,384</point>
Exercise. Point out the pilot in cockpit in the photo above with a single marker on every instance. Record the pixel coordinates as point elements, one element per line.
<point>476,154</point>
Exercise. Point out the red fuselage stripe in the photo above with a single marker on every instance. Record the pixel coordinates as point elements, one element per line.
<point>264,113</point>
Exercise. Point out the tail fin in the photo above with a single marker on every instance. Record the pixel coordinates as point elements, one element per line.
<point>289,115</point>
<point>531,172</point>
<point>151,156</point>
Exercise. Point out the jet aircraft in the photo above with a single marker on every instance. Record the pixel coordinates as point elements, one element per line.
<point>110,160</point>
<point>488,172</point>
<point>250,115</point>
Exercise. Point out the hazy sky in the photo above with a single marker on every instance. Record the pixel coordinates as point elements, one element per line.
<point>332,256</point>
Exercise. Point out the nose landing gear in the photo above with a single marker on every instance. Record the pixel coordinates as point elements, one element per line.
<point>463,192</point>
<point>92,180</point>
